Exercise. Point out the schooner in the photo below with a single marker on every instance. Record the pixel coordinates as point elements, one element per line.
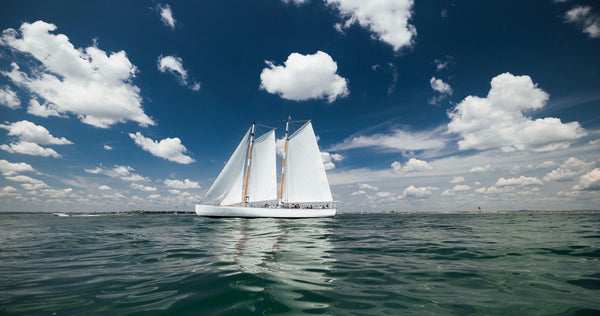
<point>247,185</point>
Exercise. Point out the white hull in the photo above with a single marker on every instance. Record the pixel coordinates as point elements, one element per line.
<point>254,212</point>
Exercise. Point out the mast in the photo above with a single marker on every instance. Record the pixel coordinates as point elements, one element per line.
<point>245,197</point>
<point>287,125</point>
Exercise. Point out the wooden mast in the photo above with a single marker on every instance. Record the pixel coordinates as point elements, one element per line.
<point>287,125</point>
<point>245,197</point>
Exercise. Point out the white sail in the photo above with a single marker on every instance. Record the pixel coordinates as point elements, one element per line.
<point>262,179</point>
<point>304,175</point>
<point>227,188</point>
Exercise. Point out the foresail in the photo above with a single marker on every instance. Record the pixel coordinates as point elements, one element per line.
<point>305,179</point>
<point>227,188</point>
<point>262,179</point>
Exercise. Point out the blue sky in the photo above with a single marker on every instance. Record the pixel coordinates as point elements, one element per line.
<point>418,105</point>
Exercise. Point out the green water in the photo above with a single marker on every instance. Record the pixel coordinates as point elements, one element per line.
<point>423,264</point>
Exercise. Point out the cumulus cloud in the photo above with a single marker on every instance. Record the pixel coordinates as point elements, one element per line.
<point>329,159</point>
<point>29,135</point>
<point>296,2</point>
<point>367,186</point>
<point>142,187</point>
<point>104,188</point>
<point>458,179</point>
<point>412,165</point>
<point>9,98</point>
<point>122,172</point>
<point>9,168</point>
<point>87,82</point>
<point>569,170</point>
<point>498,120</point>
<point>32,149</point>
<point>416,192</point>
<point>107,147</point>
<point>28,183</point>
<point>166,15</point>
<point>585,19</point>
<point>457,188</point>
<point>304,77</point>
<point>520,181</point>
<point>485,168</point>
<point>396,141</point>
<point>182,185</point>
<point>169,148</point>
<point>37,109</point>
<point>589,181</point>
<point>174,65</point>
<point>440,86</point>
<point>387,20</point>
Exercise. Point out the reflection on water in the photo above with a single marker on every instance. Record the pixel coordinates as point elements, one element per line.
<point>286,258</point>
<point>350,264</point>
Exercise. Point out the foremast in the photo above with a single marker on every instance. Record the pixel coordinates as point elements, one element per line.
<point>287,126</point>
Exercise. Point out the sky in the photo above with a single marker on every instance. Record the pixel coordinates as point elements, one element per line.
<point>417,105</point>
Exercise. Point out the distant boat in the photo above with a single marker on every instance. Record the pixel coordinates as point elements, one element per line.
<point>247,185</point>
<point>61,214</point>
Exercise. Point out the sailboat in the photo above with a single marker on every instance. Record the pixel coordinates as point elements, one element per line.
<point>247,185</point>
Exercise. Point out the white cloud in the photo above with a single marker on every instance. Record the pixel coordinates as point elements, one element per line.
<point>383,194</point>
<point>8,189</point>
<point>440,86</point>
<point>586,20</point>
<point>296,2</point>
<point>27,148</point>
<point>498,122</point>
<point>174,65</point>
<point>9,98</point>
<point>29,132</point>
<point>28,182</point>
<point>166,15</point>
<point>96,170</point>
<point>328,160</point>
<point>29,136</point>
<point>569,170</point>
<point>485,168</point>
<point>106,147</point>
<point>520,181</point>
<point>182,185</point>
<point>458,179</point>
<point>104,188</point>
<point>589,181</point>
<point>457,188</point>
<point>412,165</point>
<point>142,187</point>
<point>305,77</point>
<point>37,109</point>
<point>76,80</point>
<point>169,148</point>
<point>122,172</point>
<point>9,168</point>
<point>387,20</point>
<point>398,140</point>
<point>367,186</point>
<point>359,192</point>
<point>416,192</point>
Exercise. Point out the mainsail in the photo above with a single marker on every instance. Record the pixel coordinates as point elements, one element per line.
<point>262,179</point>
<point>304,179</point>
<point>304,175</point>
<point>227,188</point>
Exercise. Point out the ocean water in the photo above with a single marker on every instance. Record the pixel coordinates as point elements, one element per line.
<point>402,264</point>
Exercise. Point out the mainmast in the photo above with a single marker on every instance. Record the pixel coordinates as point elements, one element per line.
<point>287,125</point>
<point>245,197</point>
